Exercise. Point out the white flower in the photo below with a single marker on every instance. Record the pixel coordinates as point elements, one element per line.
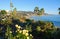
<point>16,31</point>
<point>17,36</point>
<point>27,37</point>
<point>26,34</point>
<point>30,34</point>
<point>3,19</point>
<point>24,31</point>
<point>19,27</point>
<point>10,31</point>
<point>16,26</point>
<point>42,30</point>
<point>20,31</point>
<point>27,31</point>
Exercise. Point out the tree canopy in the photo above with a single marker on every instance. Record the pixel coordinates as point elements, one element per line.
<point>36,9</point>
<point>41,11</point>
<point>3,12</point>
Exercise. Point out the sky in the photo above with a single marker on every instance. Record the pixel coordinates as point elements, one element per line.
<point>50,6</point>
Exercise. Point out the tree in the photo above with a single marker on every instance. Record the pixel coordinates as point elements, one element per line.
<point>42,11</point>
<point>11,7</point>
<point>3,12</point>
<point>36,10</point>
<point>11,4</point>
<point>39,12</point>
<point>14,11</point>
<point>59,10</point>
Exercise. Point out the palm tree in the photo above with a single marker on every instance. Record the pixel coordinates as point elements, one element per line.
<point>59,10</point>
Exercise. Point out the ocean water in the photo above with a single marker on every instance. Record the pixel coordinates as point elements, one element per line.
<point>53,18</point>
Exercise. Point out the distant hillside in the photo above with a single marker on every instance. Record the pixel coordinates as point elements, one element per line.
<point>25,12</point>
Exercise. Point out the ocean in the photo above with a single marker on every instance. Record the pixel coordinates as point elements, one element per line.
<point>53,18</point>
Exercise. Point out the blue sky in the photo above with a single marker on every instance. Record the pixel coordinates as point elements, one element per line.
<point>50,6</point>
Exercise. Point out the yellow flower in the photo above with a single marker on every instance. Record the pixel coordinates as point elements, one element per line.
<point>26,34</point>
<point>16,25</point>
<point>27,37</point>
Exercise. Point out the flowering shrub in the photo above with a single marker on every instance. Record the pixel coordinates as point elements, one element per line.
<point>20,34</point>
